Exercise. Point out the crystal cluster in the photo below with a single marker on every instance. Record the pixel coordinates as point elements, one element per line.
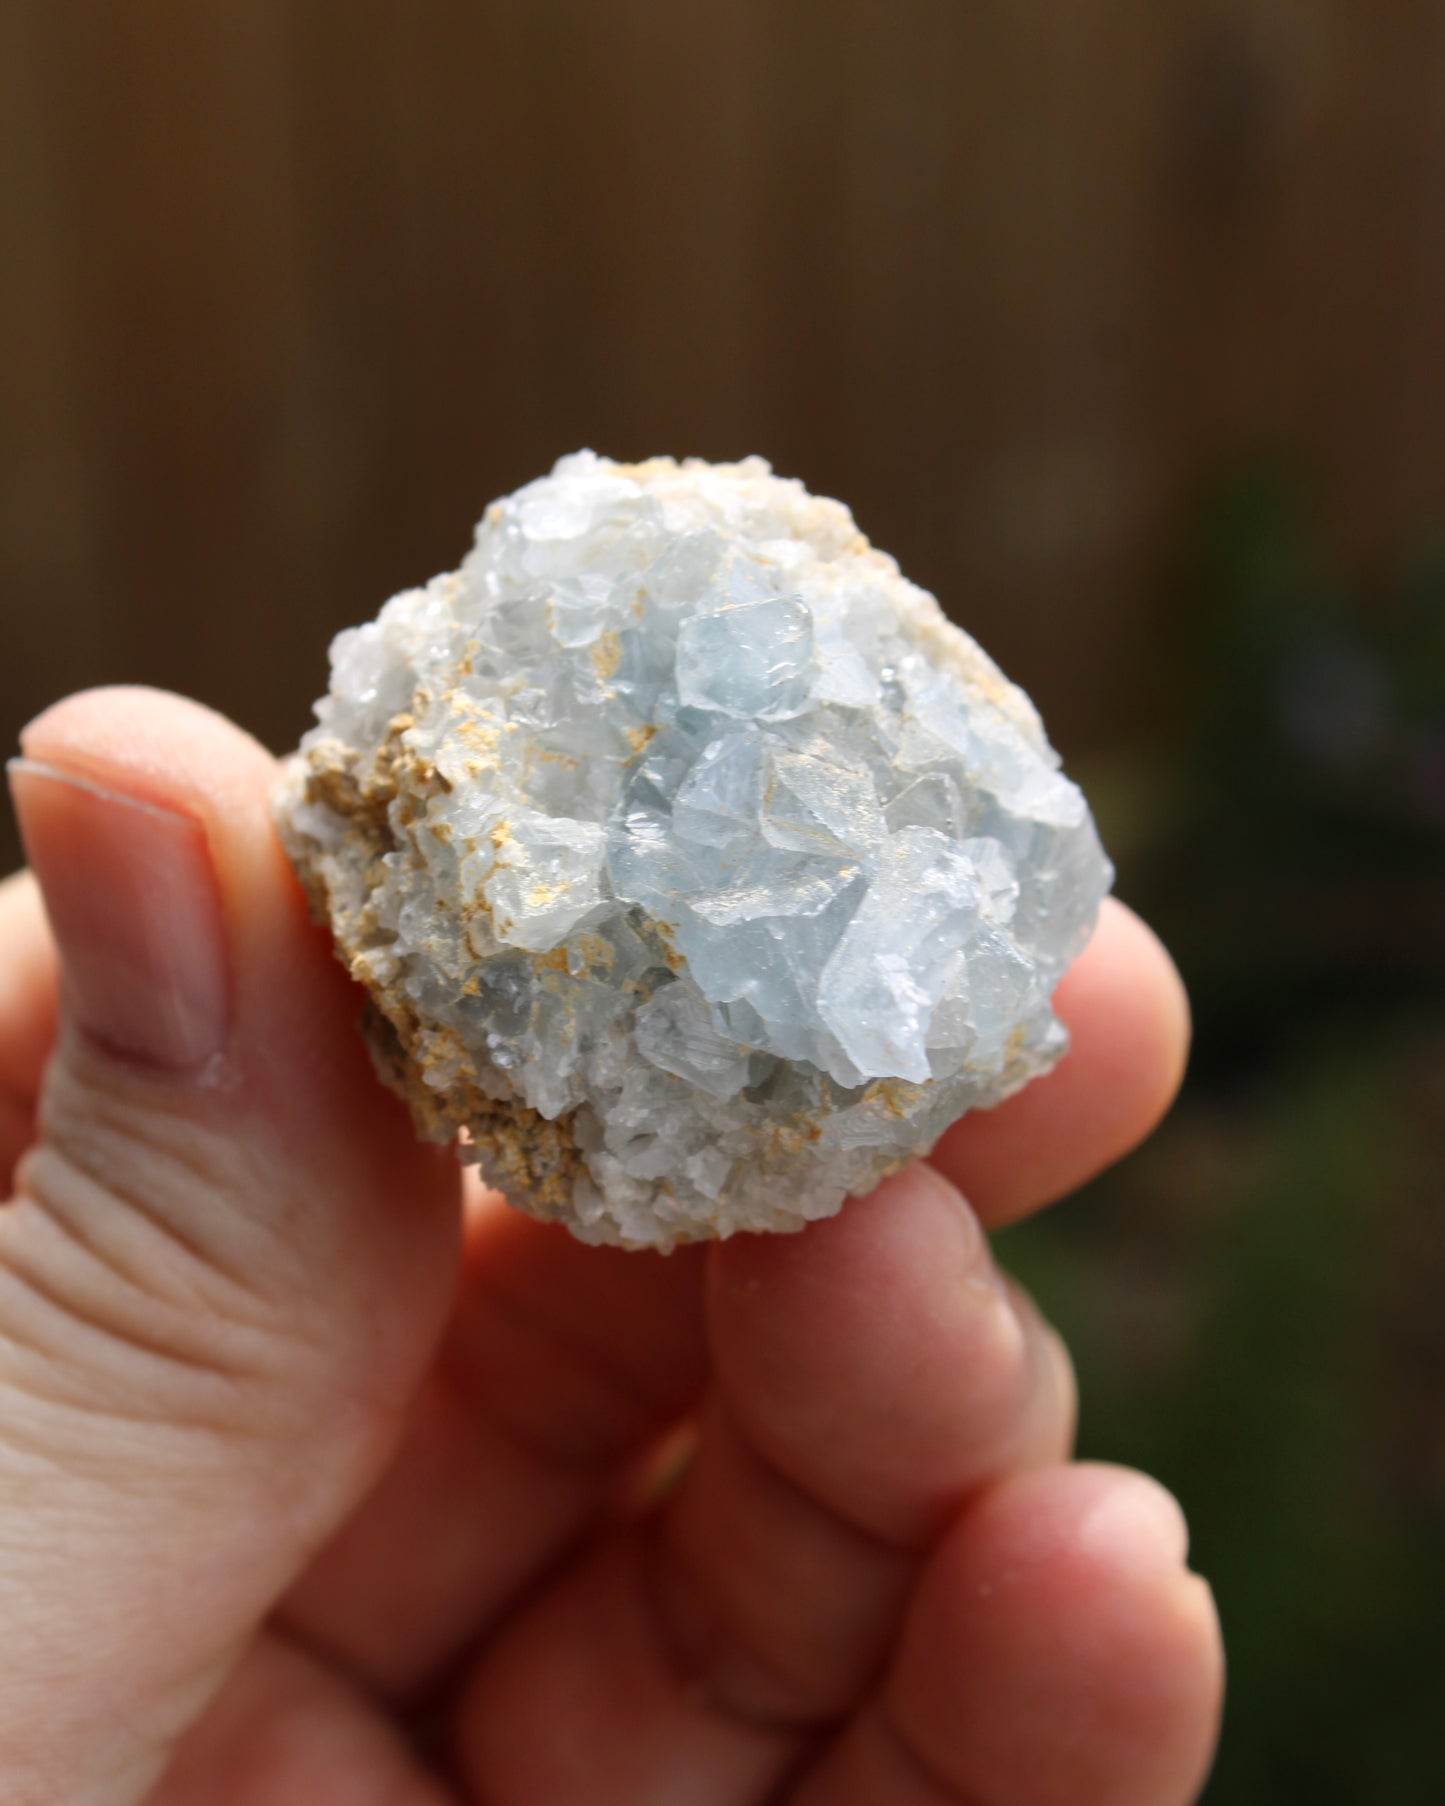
<point>698,870</point>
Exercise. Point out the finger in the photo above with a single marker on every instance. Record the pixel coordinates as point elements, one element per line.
<point>29,989</point>
<point>226,1260</point>
<point>881,1363</point>
<point>285,1732</point>
<point>1128,1022</point>
<point>580,1704</point>
<point>1057,1651</point>
<point>870,1375</point>
<point>17,1129</point>
<point>28,1006</point>
<point>562,1366</point>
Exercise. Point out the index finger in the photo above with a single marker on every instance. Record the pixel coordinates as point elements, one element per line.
<point>28,1006</point>
<point>1124,1006</point>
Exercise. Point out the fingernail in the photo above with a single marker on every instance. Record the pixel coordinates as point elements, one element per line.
<point>135,910</point>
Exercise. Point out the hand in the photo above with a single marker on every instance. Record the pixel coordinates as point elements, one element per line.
<point>309,1464</point>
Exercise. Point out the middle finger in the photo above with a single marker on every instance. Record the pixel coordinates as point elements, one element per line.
<point>871,1375</point>
<point>562,1366</point>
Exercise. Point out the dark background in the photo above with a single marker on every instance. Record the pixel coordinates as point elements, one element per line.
<point>1122,325</point>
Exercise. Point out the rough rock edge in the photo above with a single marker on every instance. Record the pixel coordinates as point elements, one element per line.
<point>828,526</point>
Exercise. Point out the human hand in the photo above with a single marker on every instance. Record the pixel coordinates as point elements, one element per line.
<point>320,1483</point>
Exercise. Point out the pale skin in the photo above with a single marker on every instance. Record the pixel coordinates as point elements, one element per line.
<point>324,1478</point>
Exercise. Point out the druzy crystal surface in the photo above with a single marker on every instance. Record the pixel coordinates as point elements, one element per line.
<point>698,870</point>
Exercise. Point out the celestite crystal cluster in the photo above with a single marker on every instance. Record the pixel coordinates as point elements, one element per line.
<point>698,870</point>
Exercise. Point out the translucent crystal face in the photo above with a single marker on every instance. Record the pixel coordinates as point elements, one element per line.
<point>699,871</point>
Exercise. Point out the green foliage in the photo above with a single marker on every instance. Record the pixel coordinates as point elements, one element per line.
<point>1255,1299</point>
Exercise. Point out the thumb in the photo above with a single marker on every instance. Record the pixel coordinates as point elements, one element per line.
<point>226,1262</point>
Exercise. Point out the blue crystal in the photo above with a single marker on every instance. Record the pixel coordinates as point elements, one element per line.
<point>677,818</point>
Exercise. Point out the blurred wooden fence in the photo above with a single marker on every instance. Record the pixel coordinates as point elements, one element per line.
<point>290,290</point>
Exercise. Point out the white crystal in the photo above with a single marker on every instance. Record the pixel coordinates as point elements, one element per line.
<point>699,871</point>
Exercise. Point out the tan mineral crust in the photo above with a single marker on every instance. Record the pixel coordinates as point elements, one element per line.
<point>698,871</point>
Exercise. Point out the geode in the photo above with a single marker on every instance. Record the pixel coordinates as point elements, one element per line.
<point>698,871</point>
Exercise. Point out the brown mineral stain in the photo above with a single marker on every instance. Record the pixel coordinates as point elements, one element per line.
<point>593,953</point>
<point>543,896</point>
<point>606,656</point>
<point>895,1097</point>
<point>476,730</point>
<point>785,1141</point>
<point>664,932</point>
<point>534,1158</point>
<point>526,1154</point>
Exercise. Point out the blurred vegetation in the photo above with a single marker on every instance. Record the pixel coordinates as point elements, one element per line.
<point>1255,1298</point>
